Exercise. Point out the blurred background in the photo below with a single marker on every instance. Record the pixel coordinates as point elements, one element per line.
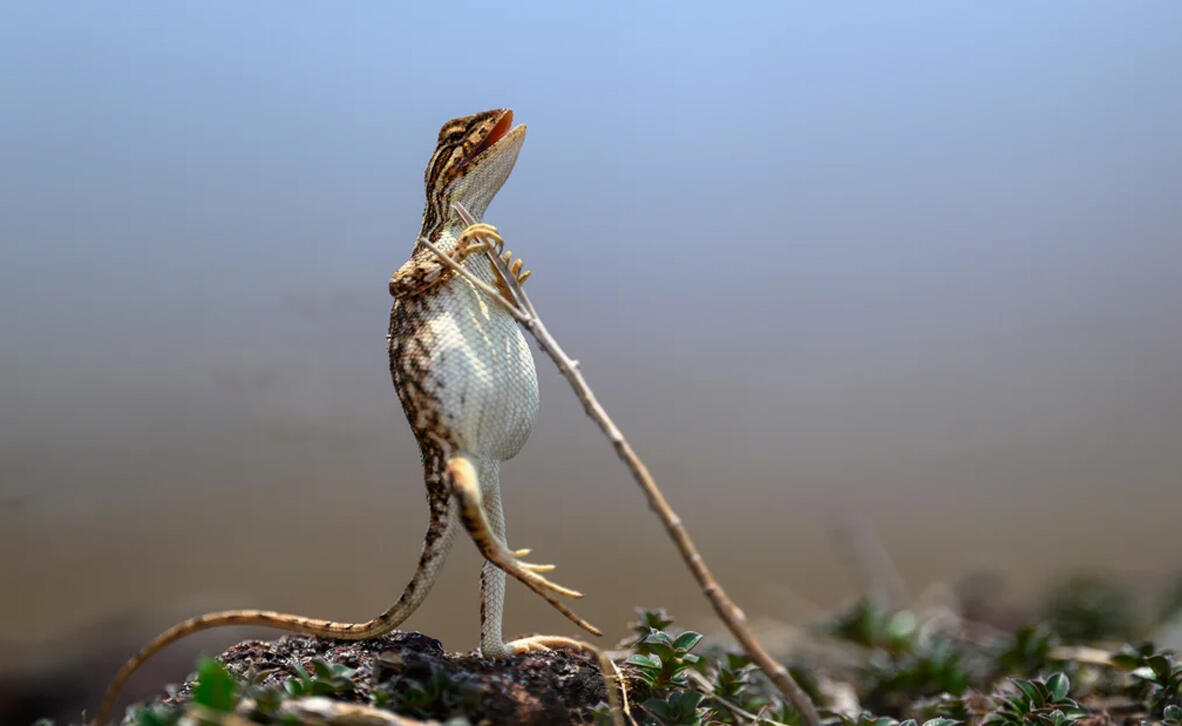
<point>913,266</point>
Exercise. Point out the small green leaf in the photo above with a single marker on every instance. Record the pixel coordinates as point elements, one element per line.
<point>659,637</point>
<point>1159,664</point>
<point>1144,673</point>
<point>644,661</point>
<point>687,701</point>
<point>321,669</point>
<point>215,686</point>
<point>687,640</point>
<point>941,722</point>
<point>1027,688</point>
<point>1058,685</point>
<point>658,708</point>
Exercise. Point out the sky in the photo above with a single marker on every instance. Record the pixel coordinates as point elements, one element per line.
<point>912,262</point>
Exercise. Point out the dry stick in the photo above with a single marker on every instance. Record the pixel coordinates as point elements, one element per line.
<point>731,615</point>
<point>620,711</point>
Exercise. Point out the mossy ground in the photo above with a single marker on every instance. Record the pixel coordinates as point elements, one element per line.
<point>1083,658</point>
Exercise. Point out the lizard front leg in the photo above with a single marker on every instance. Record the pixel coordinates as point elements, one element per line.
<point>462,477</point>
<point>424,270</point>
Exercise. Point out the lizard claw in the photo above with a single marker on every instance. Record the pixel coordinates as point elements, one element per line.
<point>470,241</point>
<point>515,266</point>
<point>518,554</point>
<point>527,572</point>
<point>514,269</point>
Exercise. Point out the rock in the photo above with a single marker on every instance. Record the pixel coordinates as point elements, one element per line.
<point>410,675</point>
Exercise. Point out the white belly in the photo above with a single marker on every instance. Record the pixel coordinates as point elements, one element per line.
<point>485,383</point>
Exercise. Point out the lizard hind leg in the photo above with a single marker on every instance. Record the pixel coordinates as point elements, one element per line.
<point>465,484</point>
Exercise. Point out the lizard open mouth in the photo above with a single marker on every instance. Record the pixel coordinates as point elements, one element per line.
<point>499,131</point>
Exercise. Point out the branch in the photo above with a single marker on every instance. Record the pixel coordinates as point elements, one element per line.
<point>523,310</point>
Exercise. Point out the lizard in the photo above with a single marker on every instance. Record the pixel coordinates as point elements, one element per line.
<point>467,383</point>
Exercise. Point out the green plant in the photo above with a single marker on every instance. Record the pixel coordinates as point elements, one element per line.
<point>661,661</point>
<point>648,621</point>
<point>869,624</point>
<point>438,696</point>
<point>1037,702</point>
<point>1028,652</point>
<point>868,719</point>
<point>932,669</point>
<point>1087,608</point>
<point>1158,678</point>
<point>733,685</point>
<point>904,662</point>
<point>677,709</point>
<point>324,680</point>
<point>215,691</point>
<point>945,705</point>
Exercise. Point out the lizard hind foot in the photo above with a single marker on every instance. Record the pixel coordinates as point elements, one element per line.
<point>514,269</point>
<point>535,643</point>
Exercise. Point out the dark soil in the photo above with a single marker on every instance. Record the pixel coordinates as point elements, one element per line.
<point>544,688</point>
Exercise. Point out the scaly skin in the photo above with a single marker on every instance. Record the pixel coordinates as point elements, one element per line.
<point>466,380</point>
<point>460,363</point>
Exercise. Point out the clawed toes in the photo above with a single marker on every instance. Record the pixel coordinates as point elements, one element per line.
<point>528,571</point>
<point>537,643</point>
<point>542,582</point>
<point>481,229</point>
<point>515,266</point>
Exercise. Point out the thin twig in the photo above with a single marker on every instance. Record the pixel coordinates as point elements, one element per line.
<point>523,310</point>
<point>606,666</point>
<point>624,708</point>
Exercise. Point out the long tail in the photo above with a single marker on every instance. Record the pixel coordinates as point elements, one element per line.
<point>436,544</point>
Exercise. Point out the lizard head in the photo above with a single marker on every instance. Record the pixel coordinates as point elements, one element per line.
<point>472,159</point>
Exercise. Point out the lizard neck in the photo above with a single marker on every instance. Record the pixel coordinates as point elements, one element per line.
<point>439,218</point>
